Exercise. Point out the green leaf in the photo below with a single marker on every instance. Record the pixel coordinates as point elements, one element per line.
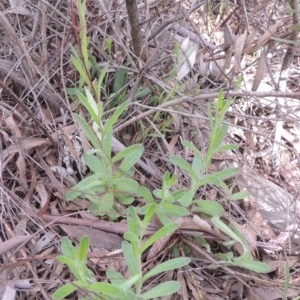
<point>88,131</point>
<point>126,184</point>
<point>226,173</point>
<point>161,233</point>
<point>192,147</point>
<point>132,261</point>
<point>76,61</point>
<point>208,207</point>
<point>187,198</point>
<point>130,156</point>
<point>163,217</point>
<point>84,186</point>
<point>106,202</point>
<point>218,137</point>
<point>169,181</point>
<point>115,277</point>
<point>227,148</point>
<point>131,237</point>
<point>256,266</point>
<point>198,165</point>
<point>146,194</point>
<point>183,164</point>
<point>133,221</point>
<point>178,194</point>
<point>106,289</point>
<point>64,291</point>
<point>239,195</point>
<point>67,248</point>
<point>114,118</point>
<point>171,264</point>
<point>101,78</point>
<point>174,210</point>
<point>126,284</point>
<point>84,248</point>
<point>120,79</point>
<point>163,289</point>
<point>213,179</point>
<point>107,144</point>
<point>225,256</point>
<point>222,226</point>
<point>143,93</point>
<point>88,103</point>
<point>124,199</point>
<point>70,262</point>
<point>96,164</point>
<point>149,213</point>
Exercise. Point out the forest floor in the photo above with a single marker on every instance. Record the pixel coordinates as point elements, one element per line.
<point>172,65</point>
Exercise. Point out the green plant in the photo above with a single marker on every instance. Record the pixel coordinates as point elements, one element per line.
<point>106,183</point>
<point>133,248</point>
<point>111,180</point>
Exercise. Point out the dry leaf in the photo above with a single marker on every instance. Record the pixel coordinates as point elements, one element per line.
<point>43,194</point>
<point>261,66</point>
<point>98,238</point>
<point>186,59</point>
<point>263,39</point>
<point>12,243</point>
<point>238,51</point>
<point>158,246</point>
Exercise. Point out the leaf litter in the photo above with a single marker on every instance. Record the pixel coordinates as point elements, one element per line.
<point>37,127</point>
